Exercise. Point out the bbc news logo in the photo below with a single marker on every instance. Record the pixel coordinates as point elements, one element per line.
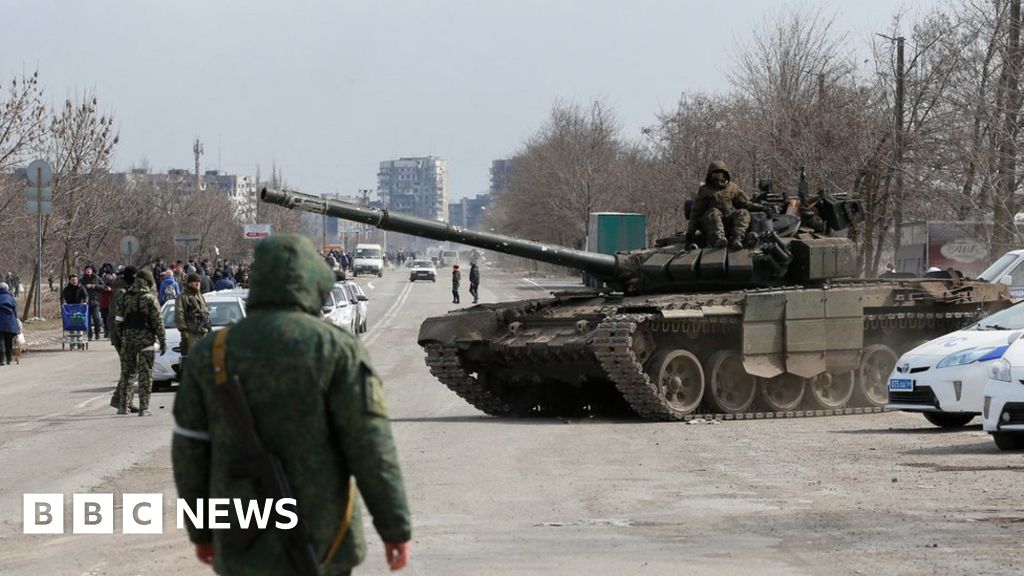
<point>144,513</point>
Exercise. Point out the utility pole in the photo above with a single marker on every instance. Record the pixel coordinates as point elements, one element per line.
<point>197,149</point>
<point>1004,205</point>
<point>898,147</point>
<point>899,141</point>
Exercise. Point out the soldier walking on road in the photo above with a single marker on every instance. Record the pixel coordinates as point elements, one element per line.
<point>121,285</point>
<point>141,326</point>
<point>191,315</point>
<point>474,281</point>
<point>456,279</point>
<point>316,407</point>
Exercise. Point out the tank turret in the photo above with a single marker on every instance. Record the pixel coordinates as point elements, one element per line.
<point>779,250</point>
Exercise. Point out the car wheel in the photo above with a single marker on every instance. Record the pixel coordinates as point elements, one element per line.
<point>159,385</point>
<point>948,419</point>
<point>1008,440</point>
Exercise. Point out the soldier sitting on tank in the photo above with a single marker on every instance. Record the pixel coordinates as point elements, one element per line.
<point>721,211</point>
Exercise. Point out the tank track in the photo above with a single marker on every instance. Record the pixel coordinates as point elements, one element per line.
<point>444,364</point>
<point>613,346</point>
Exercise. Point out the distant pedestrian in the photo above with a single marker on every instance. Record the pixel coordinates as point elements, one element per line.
<point>50,280</point>
<point>456,279</point>
<point>169,287</point>
<point>474,281</point>
<point>94,287</point>
<point>108,291</point>
<point>8,324</point>
<point>74,293</point>
<point>222,281</point>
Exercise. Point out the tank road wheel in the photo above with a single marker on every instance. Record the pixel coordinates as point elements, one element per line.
<point>730,389</point>
<point>876,363</point>
<point>781,393</point>
<point>680,380</point>
<point>831,391</point>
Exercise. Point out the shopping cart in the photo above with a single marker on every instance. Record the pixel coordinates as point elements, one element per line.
<point>75,326</point>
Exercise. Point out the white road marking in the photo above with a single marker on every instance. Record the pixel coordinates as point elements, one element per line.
<point>377,329</point>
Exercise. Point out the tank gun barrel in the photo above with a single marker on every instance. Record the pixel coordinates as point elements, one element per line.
<point>603,266</point>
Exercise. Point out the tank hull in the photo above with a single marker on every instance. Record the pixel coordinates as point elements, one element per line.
<point>727,355</point>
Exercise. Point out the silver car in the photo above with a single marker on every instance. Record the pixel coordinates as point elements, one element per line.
<point>360,301</point>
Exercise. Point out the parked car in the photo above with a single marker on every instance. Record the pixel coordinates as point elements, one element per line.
<point>422,270</point>
<point>338,310</point>
<point>361,302</point>
<point>945,378</point>
<point>1003,403</point>
<point>226,307</point>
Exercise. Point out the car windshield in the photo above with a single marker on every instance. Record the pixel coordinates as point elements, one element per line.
<point>340,296</point>
<point>422,264</point>
<point>996,269</point>
<point>221,313</point>
<point>368,253</point>
<point>1010,319</point>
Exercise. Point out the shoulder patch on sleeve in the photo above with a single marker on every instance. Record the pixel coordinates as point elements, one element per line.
<point>373,393</point>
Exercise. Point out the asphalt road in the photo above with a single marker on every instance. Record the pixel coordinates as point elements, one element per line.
<point>870,494</point>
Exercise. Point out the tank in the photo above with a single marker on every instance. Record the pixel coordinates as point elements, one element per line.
<point>778,329</point>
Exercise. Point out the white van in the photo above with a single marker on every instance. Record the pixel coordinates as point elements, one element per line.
<point>449,257</point>
<point>368,259</point>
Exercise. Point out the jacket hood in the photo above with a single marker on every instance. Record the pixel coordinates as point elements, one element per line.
<point>715,166</point>
<point>287,273</point>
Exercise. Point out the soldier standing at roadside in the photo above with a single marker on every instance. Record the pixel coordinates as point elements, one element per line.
<point>141,326</point>
<point>191,315</point>
<point>121,285</point>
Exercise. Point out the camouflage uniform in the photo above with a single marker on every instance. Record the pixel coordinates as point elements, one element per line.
<point>120,287</point>
<point>717,209</point>
<point>191,318</point>
<point>141,326</point>
<point>317,405</point>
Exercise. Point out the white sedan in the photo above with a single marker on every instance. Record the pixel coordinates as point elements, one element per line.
<point>945,378</point>
<point>226,307</point>
<point>338,310</point>
<point>1003,408</point>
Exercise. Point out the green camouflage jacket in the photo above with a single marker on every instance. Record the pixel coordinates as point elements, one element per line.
<point>317,405</point>
<point>190,312</point>
<point>726,200</point>
<point>140,314</point>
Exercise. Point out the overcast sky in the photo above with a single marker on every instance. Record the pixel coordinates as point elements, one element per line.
<point>327,89</point>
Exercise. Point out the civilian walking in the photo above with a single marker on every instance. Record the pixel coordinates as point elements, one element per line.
<point>8,324</point>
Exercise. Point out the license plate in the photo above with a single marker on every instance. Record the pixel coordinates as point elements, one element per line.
<point>901,385</point>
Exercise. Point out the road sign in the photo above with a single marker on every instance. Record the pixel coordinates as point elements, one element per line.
<point>187,239</point>
<point>130,245</point>
<point>32,192</point>
<point>256,231</point>
<point>34,207</point>
<point>39,172</point>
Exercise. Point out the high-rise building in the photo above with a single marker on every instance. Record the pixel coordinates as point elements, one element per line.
<point>417,186</point>
<point>501,173</point>
<point>468,212</point>
<point>241,190</point>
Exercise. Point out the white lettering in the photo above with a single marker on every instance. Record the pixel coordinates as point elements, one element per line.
<point>292,515</point>
<point>253,509</point>
<point>217,508</point>
<point>195,517</point>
